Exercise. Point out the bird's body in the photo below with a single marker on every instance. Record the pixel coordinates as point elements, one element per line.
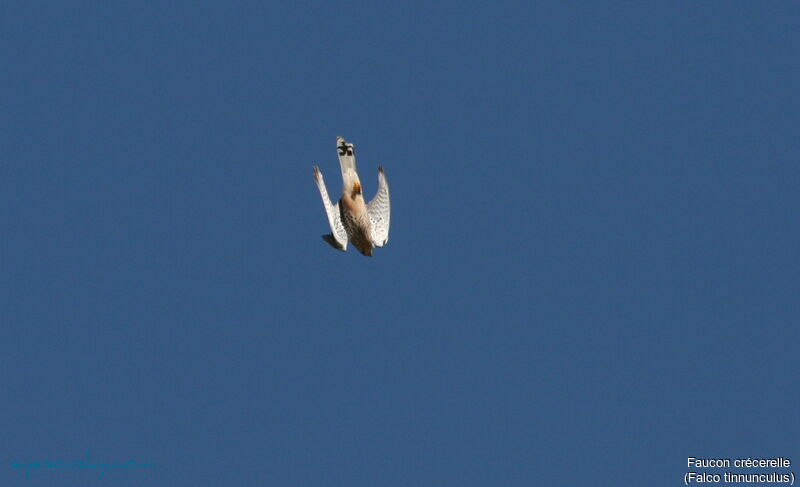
<point>355,218</point>
<point>351,219</point>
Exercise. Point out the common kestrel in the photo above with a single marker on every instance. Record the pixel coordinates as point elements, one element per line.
<point>350,218</point>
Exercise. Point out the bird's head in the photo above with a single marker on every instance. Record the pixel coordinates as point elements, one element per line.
<point>364,249</point>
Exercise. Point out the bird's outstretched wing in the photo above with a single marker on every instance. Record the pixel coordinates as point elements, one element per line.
<point>338,236</point>
<point>379,212</point>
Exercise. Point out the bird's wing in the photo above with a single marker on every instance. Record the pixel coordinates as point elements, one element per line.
<point>379,212</point>
<point>338,236</point>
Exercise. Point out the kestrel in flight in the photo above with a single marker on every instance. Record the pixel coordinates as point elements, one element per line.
<point>350,218</point>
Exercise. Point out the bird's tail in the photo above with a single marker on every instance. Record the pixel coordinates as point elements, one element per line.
<point>347,161</point>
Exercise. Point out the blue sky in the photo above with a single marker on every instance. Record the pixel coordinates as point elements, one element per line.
<point>591,275</point>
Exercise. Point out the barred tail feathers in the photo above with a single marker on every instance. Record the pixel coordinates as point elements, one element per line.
<point>347,162</point>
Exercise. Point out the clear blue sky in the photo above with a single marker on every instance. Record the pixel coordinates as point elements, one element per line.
<point>592,270</point>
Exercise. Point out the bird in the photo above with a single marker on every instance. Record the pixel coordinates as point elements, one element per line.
<point>366,225</point>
